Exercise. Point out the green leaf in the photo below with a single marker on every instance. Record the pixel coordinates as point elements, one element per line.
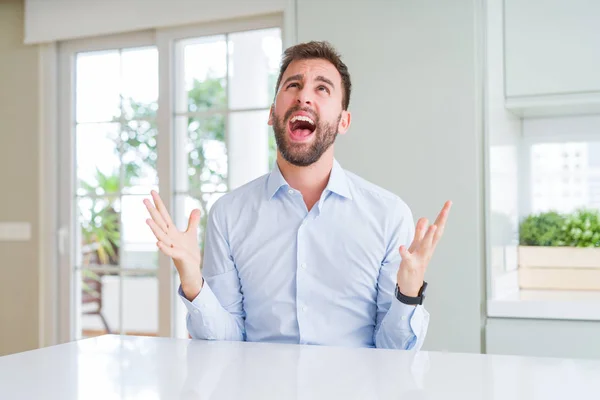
<point>578,229</point>
<point>544,229</point>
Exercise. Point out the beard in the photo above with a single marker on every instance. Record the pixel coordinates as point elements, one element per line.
<point>304,154</point>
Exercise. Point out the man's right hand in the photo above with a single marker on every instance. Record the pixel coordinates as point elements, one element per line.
<point>182,247</point>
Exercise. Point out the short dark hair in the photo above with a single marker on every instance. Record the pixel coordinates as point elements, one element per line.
<point>317,50</point>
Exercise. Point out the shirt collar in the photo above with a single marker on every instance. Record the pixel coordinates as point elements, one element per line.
<point>275,181</point>
<point>338,181</point>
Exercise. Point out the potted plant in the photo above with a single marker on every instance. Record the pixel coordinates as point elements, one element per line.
<point>560,251</point>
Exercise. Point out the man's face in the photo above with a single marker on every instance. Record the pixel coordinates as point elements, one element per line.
<point>307,114</point>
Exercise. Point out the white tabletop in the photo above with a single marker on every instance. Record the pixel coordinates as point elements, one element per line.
<point>128,367</point>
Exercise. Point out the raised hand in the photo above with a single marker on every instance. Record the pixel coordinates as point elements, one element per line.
<point>416,258</point>
<point>182,247</point>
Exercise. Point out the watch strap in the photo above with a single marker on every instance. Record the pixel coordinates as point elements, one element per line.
<point>413,301</point>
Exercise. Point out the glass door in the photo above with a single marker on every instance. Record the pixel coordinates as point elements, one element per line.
<point>109,260</point>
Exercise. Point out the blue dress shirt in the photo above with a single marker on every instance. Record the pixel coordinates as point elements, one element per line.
<point>275,272</point>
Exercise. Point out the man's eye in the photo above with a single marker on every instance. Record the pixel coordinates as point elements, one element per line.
<point>294,84</point>
<point>325,88</point>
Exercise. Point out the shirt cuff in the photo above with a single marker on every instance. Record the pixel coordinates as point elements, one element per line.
<point>407,317</point>
<point>204,303</point>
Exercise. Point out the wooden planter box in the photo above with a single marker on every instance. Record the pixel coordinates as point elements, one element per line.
<point>562,268</point>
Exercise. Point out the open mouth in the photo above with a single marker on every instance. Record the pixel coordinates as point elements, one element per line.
<point>301,127</point>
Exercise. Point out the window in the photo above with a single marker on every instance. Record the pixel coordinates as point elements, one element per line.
<point>193,129</point>
<point>116,95</point>
<point>564,190</point>
<point>544,222</point>
<point>560,222</point>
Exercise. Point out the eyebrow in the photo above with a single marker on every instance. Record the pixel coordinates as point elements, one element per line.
<point>297,77</point>
<point>323,79</point>
<point>300,77</point>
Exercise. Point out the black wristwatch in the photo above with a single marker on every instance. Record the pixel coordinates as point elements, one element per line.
<point>413,301</point>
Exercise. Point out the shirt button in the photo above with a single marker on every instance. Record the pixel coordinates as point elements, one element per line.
<point>404,318</point>
<point>290,191</point>
<point>304,308</point>
<point>196,311</point>
<point>303,266</point>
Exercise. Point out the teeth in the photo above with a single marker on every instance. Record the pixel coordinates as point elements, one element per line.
<point>302,118</point>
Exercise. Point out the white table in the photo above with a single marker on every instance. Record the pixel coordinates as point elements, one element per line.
<point>127,367</point>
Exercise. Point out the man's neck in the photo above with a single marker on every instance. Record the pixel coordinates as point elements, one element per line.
<point>310,180</point>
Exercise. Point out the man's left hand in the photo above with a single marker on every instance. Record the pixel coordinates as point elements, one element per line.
<point>415,260</point>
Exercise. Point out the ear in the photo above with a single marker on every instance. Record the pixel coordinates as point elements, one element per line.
<point>271,116</point>
<point>344,122</point>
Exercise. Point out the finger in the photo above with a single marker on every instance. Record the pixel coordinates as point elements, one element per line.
<point>420,230</point>
<point>440,221</point>
<point>427,242</point>
<point>194,221</point>
<point>162,209</point>
<point>173,252</point>
<point>443,215</point>
<point>404,253</point>
<point>156,215</point>
<point>159,233</point>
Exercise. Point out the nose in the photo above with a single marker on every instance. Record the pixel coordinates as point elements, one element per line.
<point>304,97</point>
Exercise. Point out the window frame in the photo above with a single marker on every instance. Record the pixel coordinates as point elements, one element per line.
<point>560,304</point>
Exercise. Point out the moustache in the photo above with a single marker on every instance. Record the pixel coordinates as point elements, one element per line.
<point>309,111</point>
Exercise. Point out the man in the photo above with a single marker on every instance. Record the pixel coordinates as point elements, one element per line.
<point>309,253</point>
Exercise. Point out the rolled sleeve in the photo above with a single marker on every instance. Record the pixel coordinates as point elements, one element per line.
<point>202,312</point>
<point>403,327</point>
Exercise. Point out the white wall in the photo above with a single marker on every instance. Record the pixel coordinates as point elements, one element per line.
<point>416,131</point>
<point>19,179</point>
<point>52,20</point>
